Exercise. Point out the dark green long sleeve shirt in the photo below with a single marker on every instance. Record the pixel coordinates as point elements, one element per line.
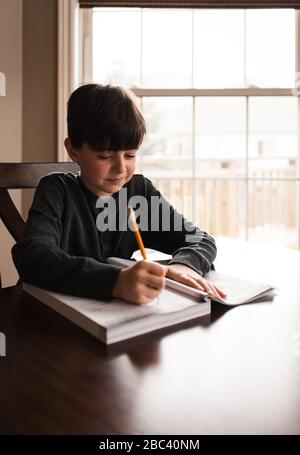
<point>62,250</point>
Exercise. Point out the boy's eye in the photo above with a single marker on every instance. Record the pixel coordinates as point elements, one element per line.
<point>108,157</point>
<point>104,157</point>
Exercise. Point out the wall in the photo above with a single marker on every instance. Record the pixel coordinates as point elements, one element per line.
<point>10,112</point>
<point>39,84</point>
<point>28,56</point>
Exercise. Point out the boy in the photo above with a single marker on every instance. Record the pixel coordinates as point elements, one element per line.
<point>64,250</point>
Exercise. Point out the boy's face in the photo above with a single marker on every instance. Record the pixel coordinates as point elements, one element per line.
<point>103,173</point>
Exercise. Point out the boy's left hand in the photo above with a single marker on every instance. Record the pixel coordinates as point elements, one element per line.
<point>188,276</point>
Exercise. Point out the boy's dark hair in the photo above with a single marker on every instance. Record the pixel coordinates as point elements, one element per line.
<point>105,117</point>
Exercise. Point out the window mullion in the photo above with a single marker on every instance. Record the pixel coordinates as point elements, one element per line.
<point>297,93</point>
<point>214,92</point>
<point>194,162</point>
<point>247,171</point>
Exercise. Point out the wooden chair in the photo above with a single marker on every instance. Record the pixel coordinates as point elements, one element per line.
<point>21,176</point>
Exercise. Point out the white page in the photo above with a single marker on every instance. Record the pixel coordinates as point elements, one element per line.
<point>238,290</point>
<point>152,255</point>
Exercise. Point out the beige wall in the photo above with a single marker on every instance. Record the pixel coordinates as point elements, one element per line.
<point>28,57</point>
<point>10,111</point>
<point>39,84</point>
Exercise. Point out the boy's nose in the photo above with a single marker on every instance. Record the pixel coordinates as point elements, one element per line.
<point>119,165</point>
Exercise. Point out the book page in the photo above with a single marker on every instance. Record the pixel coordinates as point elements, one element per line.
<point>152,255</point>
<point>238,290</point>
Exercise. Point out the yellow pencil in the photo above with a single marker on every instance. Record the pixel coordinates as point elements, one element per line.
<point>132,219</point>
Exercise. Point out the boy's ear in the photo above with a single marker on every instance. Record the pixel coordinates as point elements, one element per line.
<point>72,152</point>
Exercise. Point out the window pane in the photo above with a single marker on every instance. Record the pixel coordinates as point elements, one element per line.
<point>272,212</point>
<point>167,146</point>
<point>220,142</point>
<point>178,191</point>
<point>167,48</point>
<point>117,46</point>
<point>220,207</point>
<point>221,38</point>
<point>273,136</point>
<point>270,48</point>
<point>218,48</point>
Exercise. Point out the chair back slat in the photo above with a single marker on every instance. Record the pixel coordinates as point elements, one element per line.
<point>28,175</point>
<point>10,216</point>
<point>20,176</point>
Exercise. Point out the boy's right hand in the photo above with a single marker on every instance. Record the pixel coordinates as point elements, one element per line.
<point>140,283</point>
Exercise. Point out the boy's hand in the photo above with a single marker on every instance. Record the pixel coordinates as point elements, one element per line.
<point>140,283</point>
<point>188,276</point>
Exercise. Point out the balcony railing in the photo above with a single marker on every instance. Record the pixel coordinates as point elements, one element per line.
<point>262,206</point>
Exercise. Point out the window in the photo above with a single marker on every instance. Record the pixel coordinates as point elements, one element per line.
<point>217,88</point>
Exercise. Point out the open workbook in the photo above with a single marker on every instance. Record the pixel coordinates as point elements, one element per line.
<point>118,320</point>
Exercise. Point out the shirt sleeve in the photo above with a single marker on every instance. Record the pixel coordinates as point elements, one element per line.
<point>171,233</point>
<point>40,260</point>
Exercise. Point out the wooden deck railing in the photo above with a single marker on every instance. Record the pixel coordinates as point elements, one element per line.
<point>220,204</point>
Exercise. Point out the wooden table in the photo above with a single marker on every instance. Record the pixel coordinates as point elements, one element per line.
<point>234,372</point>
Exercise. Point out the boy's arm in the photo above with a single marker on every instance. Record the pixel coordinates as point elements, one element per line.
<point>40,260</point>
<point>185,241</point>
